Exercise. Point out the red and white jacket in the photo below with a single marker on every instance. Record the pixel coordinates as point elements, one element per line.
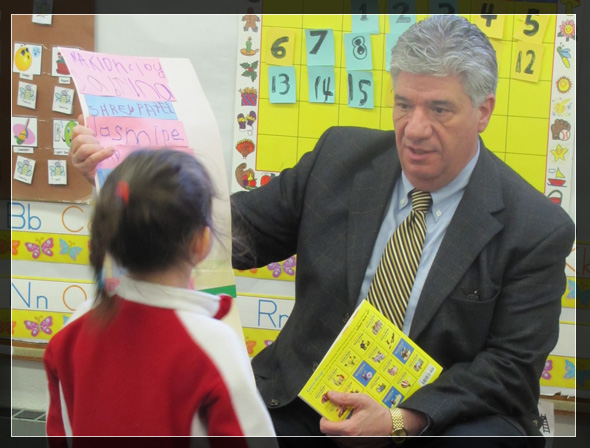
<point>163,367</point>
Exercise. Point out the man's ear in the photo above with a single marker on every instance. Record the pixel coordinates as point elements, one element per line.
<point>485,110</point>
<point>200,245</point>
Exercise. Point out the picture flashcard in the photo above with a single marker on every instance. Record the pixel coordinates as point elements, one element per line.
<point>27,59</point>
<point>27,95</point>
<point>57,173</point>
<point>24,131</point>
<point>62,136</point>
<point>58,64</point>
<point>63,100</point>
<point>24,169</point>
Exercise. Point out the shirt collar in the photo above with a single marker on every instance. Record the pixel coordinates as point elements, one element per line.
<point>441,198</point>
<point>169,297</point>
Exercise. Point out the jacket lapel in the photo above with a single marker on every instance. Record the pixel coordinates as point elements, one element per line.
<point>371,193</point>
<point>472,226</point>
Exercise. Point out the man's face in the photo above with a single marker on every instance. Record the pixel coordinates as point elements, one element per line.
<point>436,127</point>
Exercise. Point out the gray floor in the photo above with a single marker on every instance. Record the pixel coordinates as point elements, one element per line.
<point>27,423</point>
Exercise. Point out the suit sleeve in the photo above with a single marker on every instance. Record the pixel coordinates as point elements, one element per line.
<point>55,424</point>
<point>265,221</point>
<point>504,377</point>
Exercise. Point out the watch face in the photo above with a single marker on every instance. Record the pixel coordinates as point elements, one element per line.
<point>400,433</point>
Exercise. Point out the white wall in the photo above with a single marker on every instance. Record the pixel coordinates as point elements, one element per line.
<point>209,41</point>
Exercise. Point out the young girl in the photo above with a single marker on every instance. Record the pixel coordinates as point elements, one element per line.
<point>152,359</point>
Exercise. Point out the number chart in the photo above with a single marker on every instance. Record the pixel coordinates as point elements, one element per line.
<point>298,75</point>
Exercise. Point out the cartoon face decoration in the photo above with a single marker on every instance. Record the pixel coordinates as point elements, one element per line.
<point>23,58</point>
<point>68,131</point>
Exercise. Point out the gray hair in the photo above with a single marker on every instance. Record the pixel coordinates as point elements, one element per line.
<point>444,45</point>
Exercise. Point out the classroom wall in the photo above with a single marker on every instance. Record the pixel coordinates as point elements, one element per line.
<point>209,41</point>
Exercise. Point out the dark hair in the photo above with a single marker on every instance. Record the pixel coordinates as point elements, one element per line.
<point>147,212</point>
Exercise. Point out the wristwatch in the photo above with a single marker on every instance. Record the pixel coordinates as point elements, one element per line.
<point>398,433</point>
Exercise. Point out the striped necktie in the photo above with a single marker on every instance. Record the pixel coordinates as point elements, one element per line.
<point>393,281</point>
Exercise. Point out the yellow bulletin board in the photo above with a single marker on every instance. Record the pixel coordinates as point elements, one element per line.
<point>278,117</point>
<point>532,128</point>
<point>262,317</point>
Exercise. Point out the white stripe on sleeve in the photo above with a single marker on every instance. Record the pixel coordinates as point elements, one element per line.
<point>227,352</point>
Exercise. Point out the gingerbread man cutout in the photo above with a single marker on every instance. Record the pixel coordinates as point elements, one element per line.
<point>250,20</point>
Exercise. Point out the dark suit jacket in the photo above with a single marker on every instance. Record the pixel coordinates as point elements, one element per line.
<point>506,241</point>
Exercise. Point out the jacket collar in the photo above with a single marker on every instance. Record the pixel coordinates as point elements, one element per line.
<point>161,296</point>
<point>472,227</point>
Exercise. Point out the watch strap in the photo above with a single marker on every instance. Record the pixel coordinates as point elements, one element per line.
<point>398,432</point>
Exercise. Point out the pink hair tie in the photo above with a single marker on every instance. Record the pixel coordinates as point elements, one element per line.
<point>123,191</point>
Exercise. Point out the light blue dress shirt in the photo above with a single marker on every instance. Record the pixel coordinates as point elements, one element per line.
<point>444,203</point>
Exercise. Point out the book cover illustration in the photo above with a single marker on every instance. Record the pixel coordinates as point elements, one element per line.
<point>371,355</point>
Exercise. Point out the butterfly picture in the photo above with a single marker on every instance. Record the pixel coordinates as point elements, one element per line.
<point>287,267</point>
<point>69,249</point>
<point>45,248</point>
<point>44,326</point>
<point>15,244</point>
<point>584,299</point>
<point>570,370</point>
<point>571,288</point>
<point>275,268</point>
<point>548,367</point>
<point>289,264</point>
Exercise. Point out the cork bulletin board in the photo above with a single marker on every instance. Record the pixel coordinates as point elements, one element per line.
<point>44,88</point>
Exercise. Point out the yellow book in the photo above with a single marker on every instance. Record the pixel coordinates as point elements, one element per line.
<point>372,356</point>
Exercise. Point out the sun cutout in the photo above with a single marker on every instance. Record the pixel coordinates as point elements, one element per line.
<point>564,84</point>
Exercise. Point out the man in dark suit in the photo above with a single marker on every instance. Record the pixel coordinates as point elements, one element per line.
<point>485,302</point>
